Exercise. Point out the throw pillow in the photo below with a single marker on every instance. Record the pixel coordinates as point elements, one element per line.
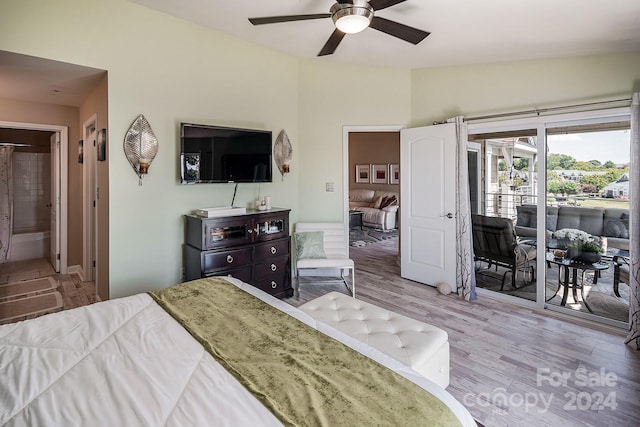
<point>616,228</point>
<point>310,244</point>
<point>376,202</point>
<point>524,218</point>
<point>389,201</point>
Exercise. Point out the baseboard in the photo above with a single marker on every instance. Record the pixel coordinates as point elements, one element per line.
<point>76,269</point>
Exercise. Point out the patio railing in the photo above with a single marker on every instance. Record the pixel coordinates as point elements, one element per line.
<point>503,204</point>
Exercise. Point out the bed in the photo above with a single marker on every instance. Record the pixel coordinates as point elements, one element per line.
<point>184,356</point>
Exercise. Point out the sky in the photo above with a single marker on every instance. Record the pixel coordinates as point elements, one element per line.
<point>603,146</point>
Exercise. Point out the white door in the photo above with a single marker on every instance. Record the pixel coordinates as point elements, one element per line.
<point>55,201</point>
<point>427,215</point>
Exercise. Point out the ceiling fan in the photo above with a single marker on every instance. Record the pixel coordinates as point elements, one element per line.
<point>353,16</point>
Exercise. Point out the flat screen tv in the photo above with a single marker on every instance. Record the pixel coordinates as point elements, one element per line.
<point>210,154</point>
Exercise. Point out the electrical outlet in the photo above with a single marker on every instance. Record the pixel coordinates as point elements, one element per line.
<point>330,187</point>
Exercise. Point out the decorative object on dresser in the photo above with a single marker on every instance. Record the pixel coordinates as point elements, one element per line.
<point>140,146</point>
<point>254,247</point>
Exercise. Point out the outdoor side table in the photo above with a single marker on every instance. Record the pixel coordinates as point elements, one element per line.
<point>568,277</point>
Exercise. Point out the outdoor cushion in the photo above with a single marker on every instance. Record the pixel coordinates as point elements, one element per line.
<point>590,220</point>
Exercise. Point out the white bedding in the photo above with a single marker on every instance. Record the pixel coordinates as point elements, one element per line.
<point>126,362</point>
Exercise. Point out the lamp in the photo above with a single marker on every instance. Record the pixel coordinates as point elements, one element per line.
<point>350,18</point>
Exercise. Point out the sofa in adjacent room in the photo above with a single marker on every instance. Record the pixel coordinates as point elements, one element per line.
<point>379,208</point>
<point>611,223</point>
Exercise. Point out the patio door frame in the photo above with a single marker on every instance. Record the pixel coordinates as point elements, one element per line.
<point>541,124</point>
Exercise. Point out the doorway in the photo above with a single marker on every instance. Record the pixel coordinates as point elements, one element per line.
<point>371,179</point>
<point>41,151</point>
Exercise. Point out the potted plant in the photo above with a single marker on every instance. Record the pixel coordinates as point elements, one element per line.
<point>581,246</point>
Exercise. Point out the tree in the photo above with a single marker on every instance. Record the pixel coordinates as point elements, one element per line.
<point>553,176</point>
<point>554,187</point>
<point>589,188</point>
<point>613,175</point>
<point>570,187</point>
<point>599,181</point>
<point>502,165</point>
<point>584,166</point>
<point>521,164</point>
<point>609,164</point>
<point>560,161</point>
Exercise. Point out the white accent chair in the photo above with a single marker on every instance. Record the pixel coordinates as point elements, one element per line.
<point>336,248</point>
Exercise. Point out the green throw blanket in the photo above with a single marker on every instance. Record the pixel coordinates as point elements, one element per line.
<point>304,377</point>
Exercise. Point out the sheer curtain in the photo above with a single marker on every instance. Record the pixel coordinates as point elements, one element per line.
<point>465,273</point>
<point>634,226</point>
<point>6,201</point>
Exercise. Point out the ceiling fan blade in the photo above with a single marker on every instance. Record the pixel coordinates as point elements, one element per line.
<point>289,18</point>
<point>383,4</point>
<point>333,42</point>
<point>401,31</point>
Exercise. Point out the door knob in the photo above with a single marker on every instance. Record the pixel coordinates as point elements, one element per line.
<point>449,215</point>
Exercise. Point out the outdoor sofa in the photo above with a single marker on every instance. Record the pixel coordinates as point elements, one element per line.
<point>611,223</point>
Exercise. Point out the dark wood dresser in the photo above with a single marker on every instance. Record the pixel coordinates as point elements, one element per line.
<point>254,247</point>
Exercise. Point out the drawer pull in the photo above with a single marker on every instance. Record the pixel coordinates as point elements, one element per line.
<point>229,259</point>
<point>273,250</point>
<point>273,267</point>
<point>273,285</point>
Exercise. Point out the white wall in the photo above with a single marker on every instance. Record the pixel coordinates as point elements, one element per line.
<point>439,93</point>
<point>333,96</point>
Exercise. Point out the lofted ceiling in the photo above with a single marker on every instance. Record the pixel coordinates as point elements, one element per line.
<point>462,32</point>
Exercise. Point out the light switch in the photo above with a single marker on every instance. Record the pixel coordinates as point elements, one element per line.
<point>330,187</point>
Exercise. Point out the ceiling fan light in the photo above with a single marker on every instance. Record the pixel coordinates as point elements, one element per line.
<point>351,19</point>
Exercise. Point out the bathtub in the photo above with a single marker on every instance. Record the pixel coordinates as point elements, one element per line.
<point>29,246</point>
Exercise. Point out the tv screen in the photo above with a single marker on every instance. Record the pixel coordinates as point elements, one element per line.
<point>221,154</point>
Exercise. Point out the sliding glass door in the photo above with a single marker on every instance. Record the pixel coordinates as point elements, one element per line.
<point>551,224</point>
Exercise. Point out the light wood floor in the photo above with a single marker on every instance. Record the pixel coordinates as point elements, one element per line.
<point>505,358</point>
<point>75,293</point>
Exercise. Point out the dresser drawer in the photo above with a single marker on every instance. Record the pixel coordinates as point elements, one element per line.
<point>270,268</point>
<point>273,284</point>
<point>243,273</point>
<point>228,259</point>
<point>273,249</point>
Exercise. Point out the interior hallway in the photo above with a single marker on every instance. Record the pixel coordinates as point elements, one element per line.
<point>16,305</point>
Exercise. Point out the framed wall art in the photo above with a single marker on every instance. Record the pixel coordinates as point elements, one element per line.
<point>394,174</point>
<point>379,174</point>
<point>362,174</point>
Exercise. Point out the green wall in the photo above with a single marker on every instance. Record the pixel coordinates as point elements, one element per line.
<point>171,70</point>
<point>440,93</point>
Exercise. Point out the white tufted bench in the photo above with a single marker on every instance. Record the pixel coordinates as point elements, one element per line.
<point>422,347</point>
